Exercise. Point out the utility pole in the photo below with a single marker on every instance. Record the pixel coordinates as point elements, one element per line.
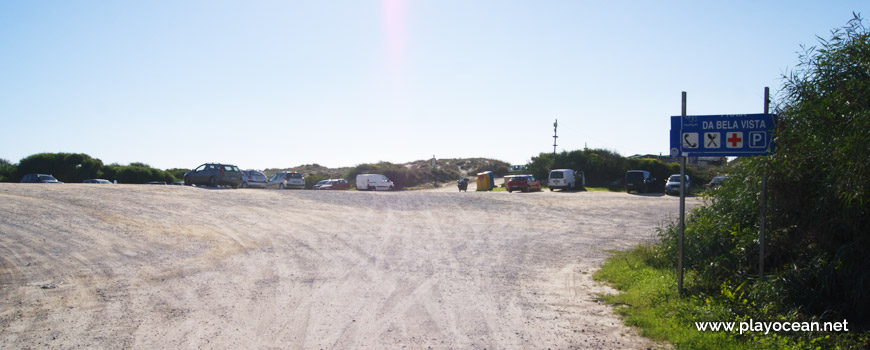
<point>555,125</point>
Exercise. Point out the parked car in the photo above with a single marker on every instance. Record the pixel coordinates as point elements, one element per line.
<point>523,183</point>
<point>286,179</point>
<point>673,185</point>
<point>96,181</point>
<point>213,175</point>
<point>334,184</point>
<point>177,183</point>
<point>716,181</point>
<point>638,180</point>
<point>566,179</point>
<point>40,179</point>
<point>253,179</point>
<point>374,182</point>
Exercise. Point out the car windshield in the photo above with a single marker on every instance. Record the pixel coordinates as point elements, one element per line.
<point>634,176</point>
<point>47,178</point>
<point>674,178</point>
<point>295,175</point>
<point>557,175</point>
<point>321,182</point>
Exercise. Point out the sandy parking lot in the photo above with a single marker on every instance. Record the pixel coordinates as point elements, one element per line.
<point>127,266</point>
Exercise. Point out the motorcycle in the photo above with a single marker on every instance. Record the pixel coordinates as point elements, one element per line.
<point>462,183</point>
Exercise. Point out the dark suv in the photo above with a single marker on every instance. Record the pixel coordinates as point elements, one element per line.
<point>213,175</point>
<point>39,179</point>
<point>638,180</point>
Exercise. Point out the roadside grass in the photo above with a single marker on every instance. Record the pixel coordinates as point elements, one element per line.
<point>649,301</point>
<point>604,189</point>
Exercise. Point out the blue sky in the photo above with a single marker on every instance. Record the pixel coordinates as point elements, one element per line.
<point>282,83</point>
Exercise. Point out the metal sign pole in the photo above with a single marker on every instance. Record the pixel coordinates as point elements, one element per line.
<point>682,211</point>
<point>763,198</point>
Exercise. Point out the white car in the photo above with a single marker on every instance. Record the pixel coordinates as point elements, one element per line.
<point>565,179</point>
<point>373,182</point>
<point>286,179</point>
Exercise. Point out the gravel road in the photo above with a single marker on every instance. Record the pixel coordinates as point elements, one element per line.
<point>136,266</point>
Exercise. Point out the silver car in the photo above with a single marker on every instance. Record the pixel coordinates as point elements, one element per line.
<point>673,185</point>
<point>286,179</point>
<point>253,179</point>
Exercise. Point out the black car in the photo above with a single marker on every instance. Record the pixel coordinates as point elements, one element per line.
<point>213,175</point>
<point>638,180</point>
<point>96,181</point>
<point>40,179</point>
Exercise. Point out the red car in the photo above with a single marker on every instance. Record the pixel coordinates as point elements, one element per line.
<point>523,183</point>
<point>334,184</point>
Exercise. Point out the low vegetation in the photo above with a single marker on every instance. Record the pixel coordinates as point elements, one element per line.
<point>77,167</point>
<point>817,226</point>
<point>605,168</point>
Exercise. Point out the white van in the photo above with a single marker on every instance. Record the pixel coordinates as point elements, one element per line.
<point>565,179</point>
<point>373,182</point>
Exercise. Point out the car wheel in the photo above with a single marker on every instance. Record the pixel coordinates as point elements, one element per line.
<point>526,189</point>
<point>280,186</point>
<point>391,188</point>
<point>551,189</point>
<point>244,184</point>
<point>212,182</point>
<point>186,181</point>
<point>627,190</point>
<point>510,191</point>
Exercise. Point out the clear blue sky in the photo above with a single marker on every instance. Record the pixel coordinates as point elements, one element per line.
<point>282,83</point>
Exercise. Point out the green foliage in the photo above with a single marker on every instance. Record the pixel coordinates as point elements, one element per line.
<point>77,167</point>
<point>818,232</point>
<point>7,171</point>
<point>402,176</point>
<point>604,168</point>
<point>67,167</point>
<point>177,173</point>
<point>649,300</point>
<point>132,174</point>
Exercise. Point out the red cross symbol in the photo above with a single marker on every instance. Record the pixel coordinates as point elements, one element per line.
<point>734,139</point>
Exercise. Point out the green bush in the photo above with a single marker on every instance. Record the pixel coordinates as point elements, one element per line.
<point>67,167</point>
<point>604,168</point>
<point>8,171</point>
<point>818,228</point>
<point>401,176</point>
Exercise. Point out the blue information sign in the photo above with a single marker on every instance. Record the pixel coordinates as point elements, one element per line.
<point>722,135</point>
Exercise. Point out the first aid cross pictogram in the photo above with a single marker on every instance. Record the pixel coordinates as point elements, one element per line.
<point>734,139</point>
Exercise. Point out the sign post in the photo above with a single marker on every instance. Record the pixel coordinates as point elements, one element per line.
<point>722,136</point>
<point>682,210</point>
<point>763,199</point>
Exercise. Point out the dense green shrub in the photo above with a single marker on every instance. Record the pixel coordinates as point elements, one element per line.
<point>67,167</point>
<point>7,171</point>
<point>604,168</point>
<point>402,176</point>
<point>132,174</point>
<point>818,232</point>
